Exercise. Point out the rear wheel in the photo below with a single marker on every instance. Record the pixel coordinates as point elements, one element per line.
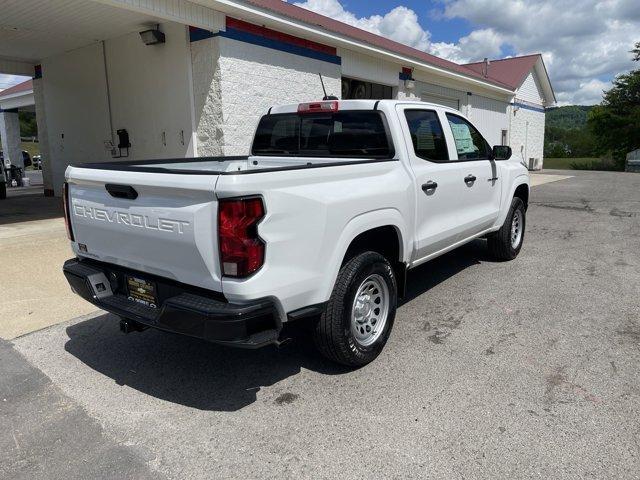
<point>358,318</point>
<point>505,244</point>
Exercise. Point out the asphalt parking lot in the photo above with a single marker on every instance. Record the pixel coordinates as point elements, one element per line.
<point>527,369</point>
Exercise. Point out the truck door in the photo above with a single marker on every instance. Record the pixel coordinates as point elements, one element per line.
<point>438,203</point>
<point>479,180</point>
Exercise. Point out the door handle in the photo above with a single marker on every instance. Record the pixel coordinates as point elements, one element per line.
<point>429,187</point>
<point>470,179</point>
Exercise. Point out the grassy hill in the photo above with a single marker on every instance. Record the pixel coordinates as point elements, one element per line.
<point>568,118</point>
<point>566,133</point>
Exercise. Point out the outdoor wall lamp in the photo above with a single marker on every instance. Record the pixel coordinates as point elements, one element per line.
<point>153,36</point>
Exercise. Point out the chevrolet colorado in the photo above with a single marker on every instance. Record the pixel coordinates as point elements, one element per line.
<point>337,200</point>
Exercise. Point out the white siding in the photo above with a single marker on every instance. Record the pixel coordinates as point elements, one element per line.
<point>528,120</point>
<point>531,91</point>
<point>184,11</point>
<point>490,116</point>
<point>371,69</point>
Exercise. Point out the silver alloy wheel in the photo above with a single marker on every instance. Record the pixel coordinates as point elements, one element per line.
<point>370,310</point>
<point>517,225</point>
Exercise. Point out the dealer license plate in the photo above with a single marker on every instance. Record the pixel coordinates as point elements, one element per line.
<point>142,291</point>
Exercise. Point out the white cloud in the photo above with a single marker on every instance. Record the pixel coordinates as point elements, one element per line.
<point>7,81</point>
<point>477,45</point>
<point>580,41</point>
<point>400,24</point>
<point>583,93</point>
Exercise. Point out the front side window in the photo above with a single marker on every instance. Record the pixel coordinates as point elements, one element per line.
<point>427,135</point>
<point>470,144</point>
<point>353,134</point>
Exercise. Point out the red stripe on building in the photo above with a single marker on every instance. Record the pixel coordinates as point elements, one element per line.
<point>236,24</point>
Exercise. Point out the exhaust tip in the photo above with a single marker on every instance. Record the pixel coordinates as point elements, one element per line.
<point>125,326</point>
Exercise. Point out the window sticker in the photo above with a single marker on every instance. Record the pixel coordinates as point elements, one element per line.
<point>424,136</point>
<point>462,136</point>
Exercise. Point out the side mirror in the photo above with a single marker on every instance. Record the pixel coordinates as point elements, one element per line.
<point>502,152</point>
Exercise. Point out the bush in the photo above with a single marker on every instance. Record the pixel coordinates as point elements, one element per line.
<point>600,164</point>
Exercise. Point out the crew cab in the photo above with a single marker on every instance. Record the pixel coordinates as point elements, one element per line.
<point>322,221</point>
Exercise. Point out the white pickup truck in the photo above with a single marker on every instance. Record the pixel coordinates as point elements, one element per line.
<point>337,200</point>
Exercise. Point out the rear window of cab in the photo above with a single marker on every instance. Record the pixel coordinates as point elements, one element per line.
<point>351,134</point>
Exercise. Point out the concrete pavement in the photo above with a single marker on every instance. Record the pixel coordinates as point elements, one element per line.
<point>33,246</point>
<point>526,369</point>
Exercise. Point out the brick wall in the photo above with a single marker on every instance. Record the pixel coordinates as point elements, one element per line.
<point>235,83</point>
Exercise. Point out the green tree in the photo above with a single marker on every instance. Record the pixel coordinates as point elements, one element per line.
<point>28,125</point>
<point>616,121</point>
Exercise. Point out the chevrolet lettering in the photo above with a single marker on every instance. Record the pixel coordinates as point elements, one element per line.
<point>130,219</point>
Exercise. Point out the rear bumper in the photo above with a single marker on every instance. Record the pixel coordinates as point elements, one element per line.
<point>182,309</point>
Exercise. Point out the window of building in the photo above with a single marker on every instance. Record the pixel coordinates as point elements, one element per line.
<point>358,90</point>
<point>504,140</point>
<point>427,135</point>
<point>470,144</point>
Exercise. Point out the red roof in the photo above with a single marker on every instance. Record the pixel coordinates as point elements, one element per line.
<point>509,71</point>
<point>21,87</point>
<point>303,15</point>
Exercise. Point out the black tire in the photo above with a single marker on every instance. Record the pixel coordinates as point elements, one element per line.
<point>3,190</point>
<point>500,244</point>
<point>332,333</point>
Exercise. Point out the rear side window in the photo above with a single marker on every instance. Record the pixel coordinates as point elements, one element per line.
<point>354,134</point>
<point>470,144</point>
<point>427,135</point>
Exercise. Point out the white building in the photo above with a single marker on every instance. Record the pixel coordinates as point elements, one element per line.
<point>222,65</point>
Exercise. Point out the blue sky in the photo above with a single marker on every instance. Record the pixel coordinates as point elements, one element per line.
<point>442,30</point>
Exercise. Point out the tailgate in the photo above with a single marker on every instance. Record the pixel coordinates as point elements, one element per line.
<point>168,229</point>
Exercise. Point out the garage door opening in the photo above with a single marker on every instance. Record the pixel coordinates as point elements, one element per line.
<point>446,101</point>
<point>353,89</point>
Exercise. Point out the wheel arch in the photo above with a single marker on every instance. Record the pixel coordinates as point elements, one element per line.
<point>383,231</point>
<point>519,188</point>
<point>522,192</point>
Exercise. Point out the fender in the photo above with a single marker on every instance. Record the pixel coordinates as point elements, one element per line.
<point>522,179</point>
<point>361,224</point>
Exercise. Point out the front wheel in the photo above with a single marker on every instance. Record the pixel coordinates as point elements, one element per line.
<point>505,244</point>
<point>358,318</point>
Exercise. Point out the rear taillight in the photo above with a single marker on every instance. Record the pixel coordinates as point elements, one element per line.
<point>241,249</point>
<point>67,210</point>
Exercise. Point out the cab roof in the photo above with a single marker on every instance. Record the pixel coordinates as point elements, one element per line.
<point>357,105</point>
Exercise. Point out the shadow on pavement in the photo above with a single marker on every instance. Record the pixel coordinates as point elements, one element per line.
<point>24,205</point>
<point>425,277</point>
<point>206,376</point>
<point>189,371</point>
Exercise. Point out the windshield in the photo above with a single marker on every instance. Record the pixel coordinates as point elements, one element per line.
<point>354,134</point>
